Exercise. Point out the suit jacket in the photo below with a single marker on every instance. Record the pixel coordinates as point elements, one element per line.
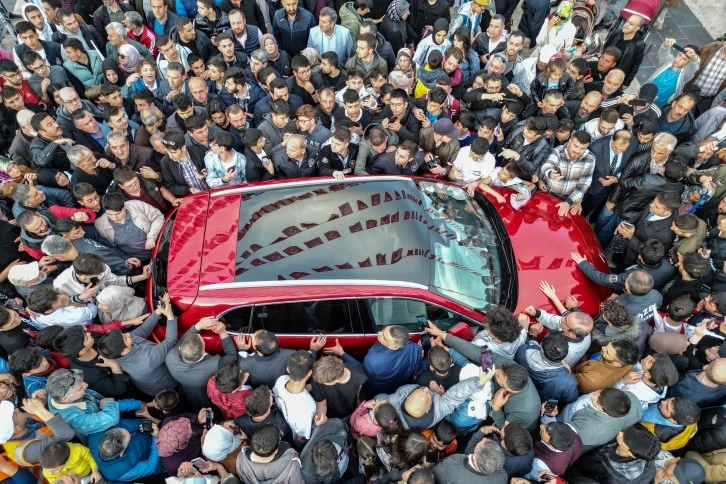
<point>171,172</point>
<point>85,139</point>
<point>601,149</point>
<point>645,230</point>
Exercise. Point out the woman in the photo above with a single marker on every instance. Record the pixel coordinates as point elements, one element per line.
<point>116,303</point>
<point>394,26</point>
<point>180,440</point>
<point>436,41</point>
<point>558,30</point>
<point>51,177</point>
<point>276,58</point>
<point>471,63</point>
<point>12,174</point>
<point>112,73</point>
<point>147,77</point>
<point>128,58</point>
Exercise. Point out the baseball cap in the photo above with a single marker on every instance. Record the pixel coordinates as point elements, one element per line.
<point>445,127</point>
<point>547,52</point>
<point>689,470</point>
<point>23,273</point>
<point>6,421</point>
<point>648,92</point>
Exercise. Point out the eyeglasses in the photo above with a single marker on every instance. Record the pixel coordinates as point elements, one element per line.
<point>397,105</point>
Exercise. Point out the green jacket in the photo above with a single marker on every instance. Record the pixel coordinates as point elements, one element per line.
<point>351,20</point>
<point>354,63</point>
<point>716,173</point>
<point>689,245</point>
<point>89,76</point>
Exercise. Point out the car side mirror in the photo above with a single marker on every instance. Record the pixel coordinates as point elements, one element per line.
<point>462,330</point>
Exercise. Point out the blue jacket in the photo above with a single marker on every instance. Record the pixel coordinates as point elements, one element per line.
<point>255,94</point>
<point>388,369</point>
<point>87,417</point>
<point>140,459</point>
<point>555,384</point>
<point>691,387</point>
<point>293,38</point>
<point>216,170</point>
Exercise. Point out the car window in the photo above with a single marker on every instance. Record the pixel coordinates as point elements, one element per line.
<point>326,316</point>
<point>405,312</point>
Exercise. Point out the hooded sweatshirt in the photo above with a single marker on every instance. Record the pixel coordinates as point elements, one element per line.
<point>428,43</point>
<point>284,468</point>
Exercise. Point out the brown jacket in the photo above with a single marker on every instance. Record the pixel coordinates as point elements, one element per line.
<point>594,375</point>
<point>714,463</point>
<point>707,52</point>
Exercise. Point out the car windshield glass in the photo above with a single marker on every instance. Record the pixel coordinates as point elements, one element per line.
<point>466,251</point>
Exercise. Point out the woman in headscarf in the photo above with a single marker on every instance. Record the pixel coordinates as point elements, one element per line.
<point>558,30</point>
<point>128,58</point>
<point>394,26</point>
<point>179,440</point>
<point>276,58</point>
<point>116,303</point>
<point>12,173</point>
<point>436,41</point>
<point>51,177</point>
<point>112,73</point>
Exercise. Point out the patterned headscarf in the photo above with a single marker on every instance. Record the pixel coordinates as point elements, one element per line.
<point>174,437</point>
<point>396,10</point>
<point>565,9</point>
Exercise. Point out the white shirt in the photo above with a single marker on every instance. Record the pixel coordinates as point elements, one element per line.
<point>298,408</point>
<point>473,170</point>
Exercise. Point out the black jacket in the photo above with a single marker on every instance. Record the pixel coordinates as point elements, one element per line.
<point>601,149</point>
<point>254,170</point>
<point>171,172</point>
<point>531,156</point>
<point>646,230</point>
<point>201,41</point>
<point>481,45</point>
<point>397,33</point>
<point>103,381</point>
<point>717,246</point>
<point>410,126</point>
<point>633,55</point>
<point>598,465</point>
<point>101,18</point>
<point>661,274</point>
<point>253,14</point>
<point>539,86</point>
<point>285,168</point>
<point>423,13</point>
<point>643,190</point>
<point>100,181</point>
<point>384,164</point>
<point>327,162</point>
<point>637,166</point>
<point>211,29</point>
<point>385,50</point>
<point>334,430</point>
<point>711,433</point>
<point>48,154</point>
<point>89,34</point>
<point>53,52</point>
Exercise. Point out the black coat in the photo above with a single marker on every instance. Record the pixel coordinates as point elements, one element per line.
<point>711,433</point>
<point>423,14</point>
<point>643,190</point>
<point>397,33</point>
<point>534,14</point>
<point>284,168</point>
<point>601,149</point>
<point>646,230</point>
<point>171,172</point>
<point>221,23</point>
<point>252,12</point>
<point>633,55</point>
<point>531,156</point>
<point>254,170</point>
<point>101,18</point>
<point>410,126</point>
<point>637,166</point>
<point>327,162</point>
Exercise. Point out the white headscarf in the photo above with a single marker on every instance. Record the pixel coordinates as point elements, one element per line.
<point>122,303</point>
<point>219,443</point>
<point>132,55</point>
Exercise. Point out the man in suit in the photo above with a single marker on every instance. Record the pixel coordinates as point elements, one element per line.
<point>612,153</point>
<point>182,169</point>
<point>89,132</point>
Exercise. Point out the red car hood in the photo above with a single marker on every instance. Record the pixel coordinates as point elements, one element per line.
<point>542,242</point>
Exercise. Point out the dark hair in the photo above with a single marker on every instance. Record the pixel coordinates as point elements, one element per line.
<point>554,347</point>
<point>195,121</point>
<point>228,378</point>
<point>181,22</point>
<point>258,402</point>
<point>422,475</point>
<point>435,59</point>
<point>626,352</point>
<point>517,439</point>
<point>437,95</point>
<point>502,325</point>
<point>280,106</point>
<point>175,137</point>
<point>565,125</point>
<point>642,443</point>
<point>111,344</point>
<point>581,65</point>
<point>387,418</point>
<point>237,75</point>
<point>617,314</point>
<point>681,308</point>
<point>299,365</point>
<point>41,300</point>
<point>89,265</point>
<point>251,137</point>
<point>24,360</point>
<point>468,120</point>
<point>325,458</point>
<point>123,174</point>
<point>609,115</point>
<point>24,26</point>
<point>440,359</point>
<point>144,95</point>
<point>266,342</point>
<point>652,251</point>
<point>70,341</point>
<point>223,139</point>
<point>649,126</point>
<point>342,134</point>
<point>182,102</point>
<point>671,200</point>
<point>167,400</point>
<point>582,137</point>
<point>113,201</point>
<point>719,300</point>
<point>444,430</point>
<point>370,40</point>
<point>408,450</point>
<point>663,372</point>
<point>685,411</point>
<point>7,65</point>
<point>331,56</point>
<point>695,265</point>
<point>516,375</point>
<point>686,222</point>
<point>47,335</point>
<point>83,189</point>
<point>613,51</point>
<point>265,440</point>
<point>688,95</point>
<point>55,455</point>
<point>350,96</point>
<point>614,402</point>
<point>561,435</point>
<point>4,316</point>
<point>675,169</point>
<point>299,62</point>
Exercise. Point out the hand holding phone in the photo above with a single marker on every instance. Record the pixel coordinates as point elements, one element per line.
<point>679,48</point>
<point>487,360</point>
<point>201,464</point>
<point>146,425</point>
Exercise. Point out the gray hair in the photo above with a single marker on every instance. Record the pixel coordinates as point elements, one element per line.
<point>20,193</point>
<point>501,57</point>
<point>151,115</point>
<point>112,443</point>
<point>489,457</point>
<point>77,152</point>
<point>191,348</point>
<point>330,13</point>
<point>116,28</point>
<point>260,54</point>
<point>55,245</point>
<point>60,382</point>
<point>115,135</point>
<point>134,18</point>
<point>665,140</point>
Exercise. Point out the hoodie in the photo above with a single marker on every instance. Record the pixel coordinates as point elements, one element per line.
<point>47,32</point>
<point>552,380</point>
<point>284,468</point>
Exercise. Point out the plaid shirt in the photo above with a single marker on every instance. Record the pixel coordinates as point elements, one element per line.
<point>190,175</point>
<point>576,175</point>
<point>712,75</point>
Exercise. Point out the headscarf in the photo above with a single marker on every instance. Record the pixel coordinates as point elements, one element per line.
<point>122,302</point>
<point>565,9</point>
<point>132,54</point>
<point>669,343</point>
<point>313,56</point>
<point>274,56</point>
<point>46,177</point>
<point>219,443</point>
<point>396,10</point>
<point>174,437</point>
<point>112,65</point>
<point>439,25</point>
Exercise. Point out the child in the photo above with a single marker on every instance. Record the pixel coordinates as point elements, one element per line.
<point>429,73</point>
<point>552,77</point>
<point>676,317</point>
<point>373,417</point>
<point>62,458</point>
<point>165,404</point>
<point>436,41</point>
<point>369,464</point>
<point>228,392</point>
<point>443,441</point>
<point>466,124</point>
<point>507,176</point>
<point>473,165</point>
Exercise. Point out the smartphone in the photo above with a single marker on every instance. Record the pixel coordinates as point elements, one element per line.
<point>638,102</point>
<point>679,48</point>
<point>392,119</point>
<point>487,360</point>
<point>423,322</point>
<point>94,280</point>
<point>209,419</point>
<point>588,73</point>
<point>160,303</point>
<point>146,425</point>
<point>627,224</point>
<point>201,464</point>
<point>550,406</point>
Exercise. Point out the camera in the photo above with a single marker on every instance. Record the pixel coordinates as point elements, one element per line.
<point>433,163</point>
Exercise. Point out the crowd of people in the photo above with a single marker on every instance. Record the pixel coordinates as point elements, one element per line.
<point>113,112</point>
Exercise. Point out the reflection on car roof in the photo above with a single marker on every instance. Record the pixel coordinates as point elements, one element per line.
<point>369,230</point>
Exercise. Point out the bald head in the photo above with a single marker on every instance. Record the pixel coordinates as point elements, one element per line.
<point>23,117</point>
<point>67,93</point>
<point>716,371</point>
<point>197,83</point>
<point>612,82</point>
<point>580,323</point>
<point>418,402</point>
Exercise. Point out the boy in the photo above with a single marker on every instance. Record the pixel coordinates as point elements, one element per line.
<point>473,164</point>
<point>466,124</point>
<point>61,459</point>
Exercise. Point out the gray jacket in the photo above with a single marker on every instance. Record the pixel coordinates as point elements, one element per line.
<point>193,377</point>
<point>455,469</point>
<point>265,370</point>
<point>665,59</point>
<point>443,405</point>
<point>145,362</point>
<point>576,349</point>
<point>283,469</point>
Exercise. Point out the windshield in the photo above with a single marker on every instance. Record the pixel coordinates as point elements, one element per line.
<point>467,253</point>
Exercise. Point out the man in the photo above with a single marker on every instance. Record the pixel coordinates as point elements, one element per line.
<point>141,359</point>
<point>544,364</point>
<point>632,45</point>
<point>192,367</point>
<point>159,19</point>
<point>71,102</point>
<point>247,37</point>
<point>291,26</point>
<point>331,73</point>
<point>228,54</point>
<point>49,202</point>
<point>673,72</point>
<point>353,115</point>
<point>268,459</point>
<point>116,33</point>
<point>302,83</point>
<point>139,158</point>
<point>482,461</point>
<point>366,58</point>
<point>64,250</point>
<point>336,387</point>
<point>308,125</point>
<point>326,107</point>
<point>88,132</point>
<point>675,422</point>
<point>211,20</point>
<point>53,307</point>
<point>616,360</point>
<point>553,102</point>
<point>110,11</point>
<point>605,125</point>
<point>711,74</point>
<point>86,66</point>
<point>705,387</point>
<point>49,148</point>
<point>139,32</point>
<point>136,187</point>
<point>238,91</point>
<point>70,28</point>
<point>170,53</point>
<point>291,159</point>
<point>277,125</point>
<point>12,76</point>
<point>351,16</point>
<point>279,90</point>
<point>567,173</point>
<point>405,124</point>
<point>376,142</point>
<point>602,66</point>
<point>677,119</point>
<point>611,155</point>
<point>610,87</point>
<point>328,36</point>
<point>199,91</point>
<point>491,42</point>
<point>125,453</point>
<point>383,47</point>
<point>182,168</point>
<point>52,52</point>
<point>19,150</point>
<point>132,226</point>
<point>187,36</point>
<point>337,158</point>
<point>293,399</point>
<point>98,173</point>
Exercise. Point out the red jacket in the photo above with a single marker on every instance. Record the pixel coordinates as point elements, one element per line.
<point>60,211</point>
<point>147,39</point>
<point>29,96</point>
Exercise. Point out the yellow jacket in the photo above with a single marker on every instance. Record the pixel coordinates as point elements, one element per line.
<point>80,461</point>
<point>677,442</point>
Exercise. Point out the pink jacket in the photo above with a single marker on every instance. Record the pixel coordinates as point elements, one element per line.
<point>362,423</point>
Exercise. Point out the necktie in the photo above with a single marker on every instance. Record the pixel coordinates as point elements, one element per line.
<point>613,164</point>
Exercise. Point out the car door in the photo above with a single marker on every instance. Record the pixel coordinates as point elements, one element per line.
<point>297,323</point>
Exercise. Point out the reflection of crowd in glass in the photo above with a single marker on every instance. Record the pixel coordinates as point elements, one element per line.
<point>113,112</point>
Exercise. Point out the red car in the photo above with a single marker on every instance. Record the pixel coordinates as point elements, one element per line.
<point>345,259</point>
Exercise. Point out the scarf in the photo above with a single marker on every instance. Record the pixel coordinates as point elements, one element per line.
<point>122,303</point>
<point>275,55</point>
<point>565,9</point>
<point>174,437</point>
<point>396,10</point>
<point>653,415</point>
<point>132,55</point>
